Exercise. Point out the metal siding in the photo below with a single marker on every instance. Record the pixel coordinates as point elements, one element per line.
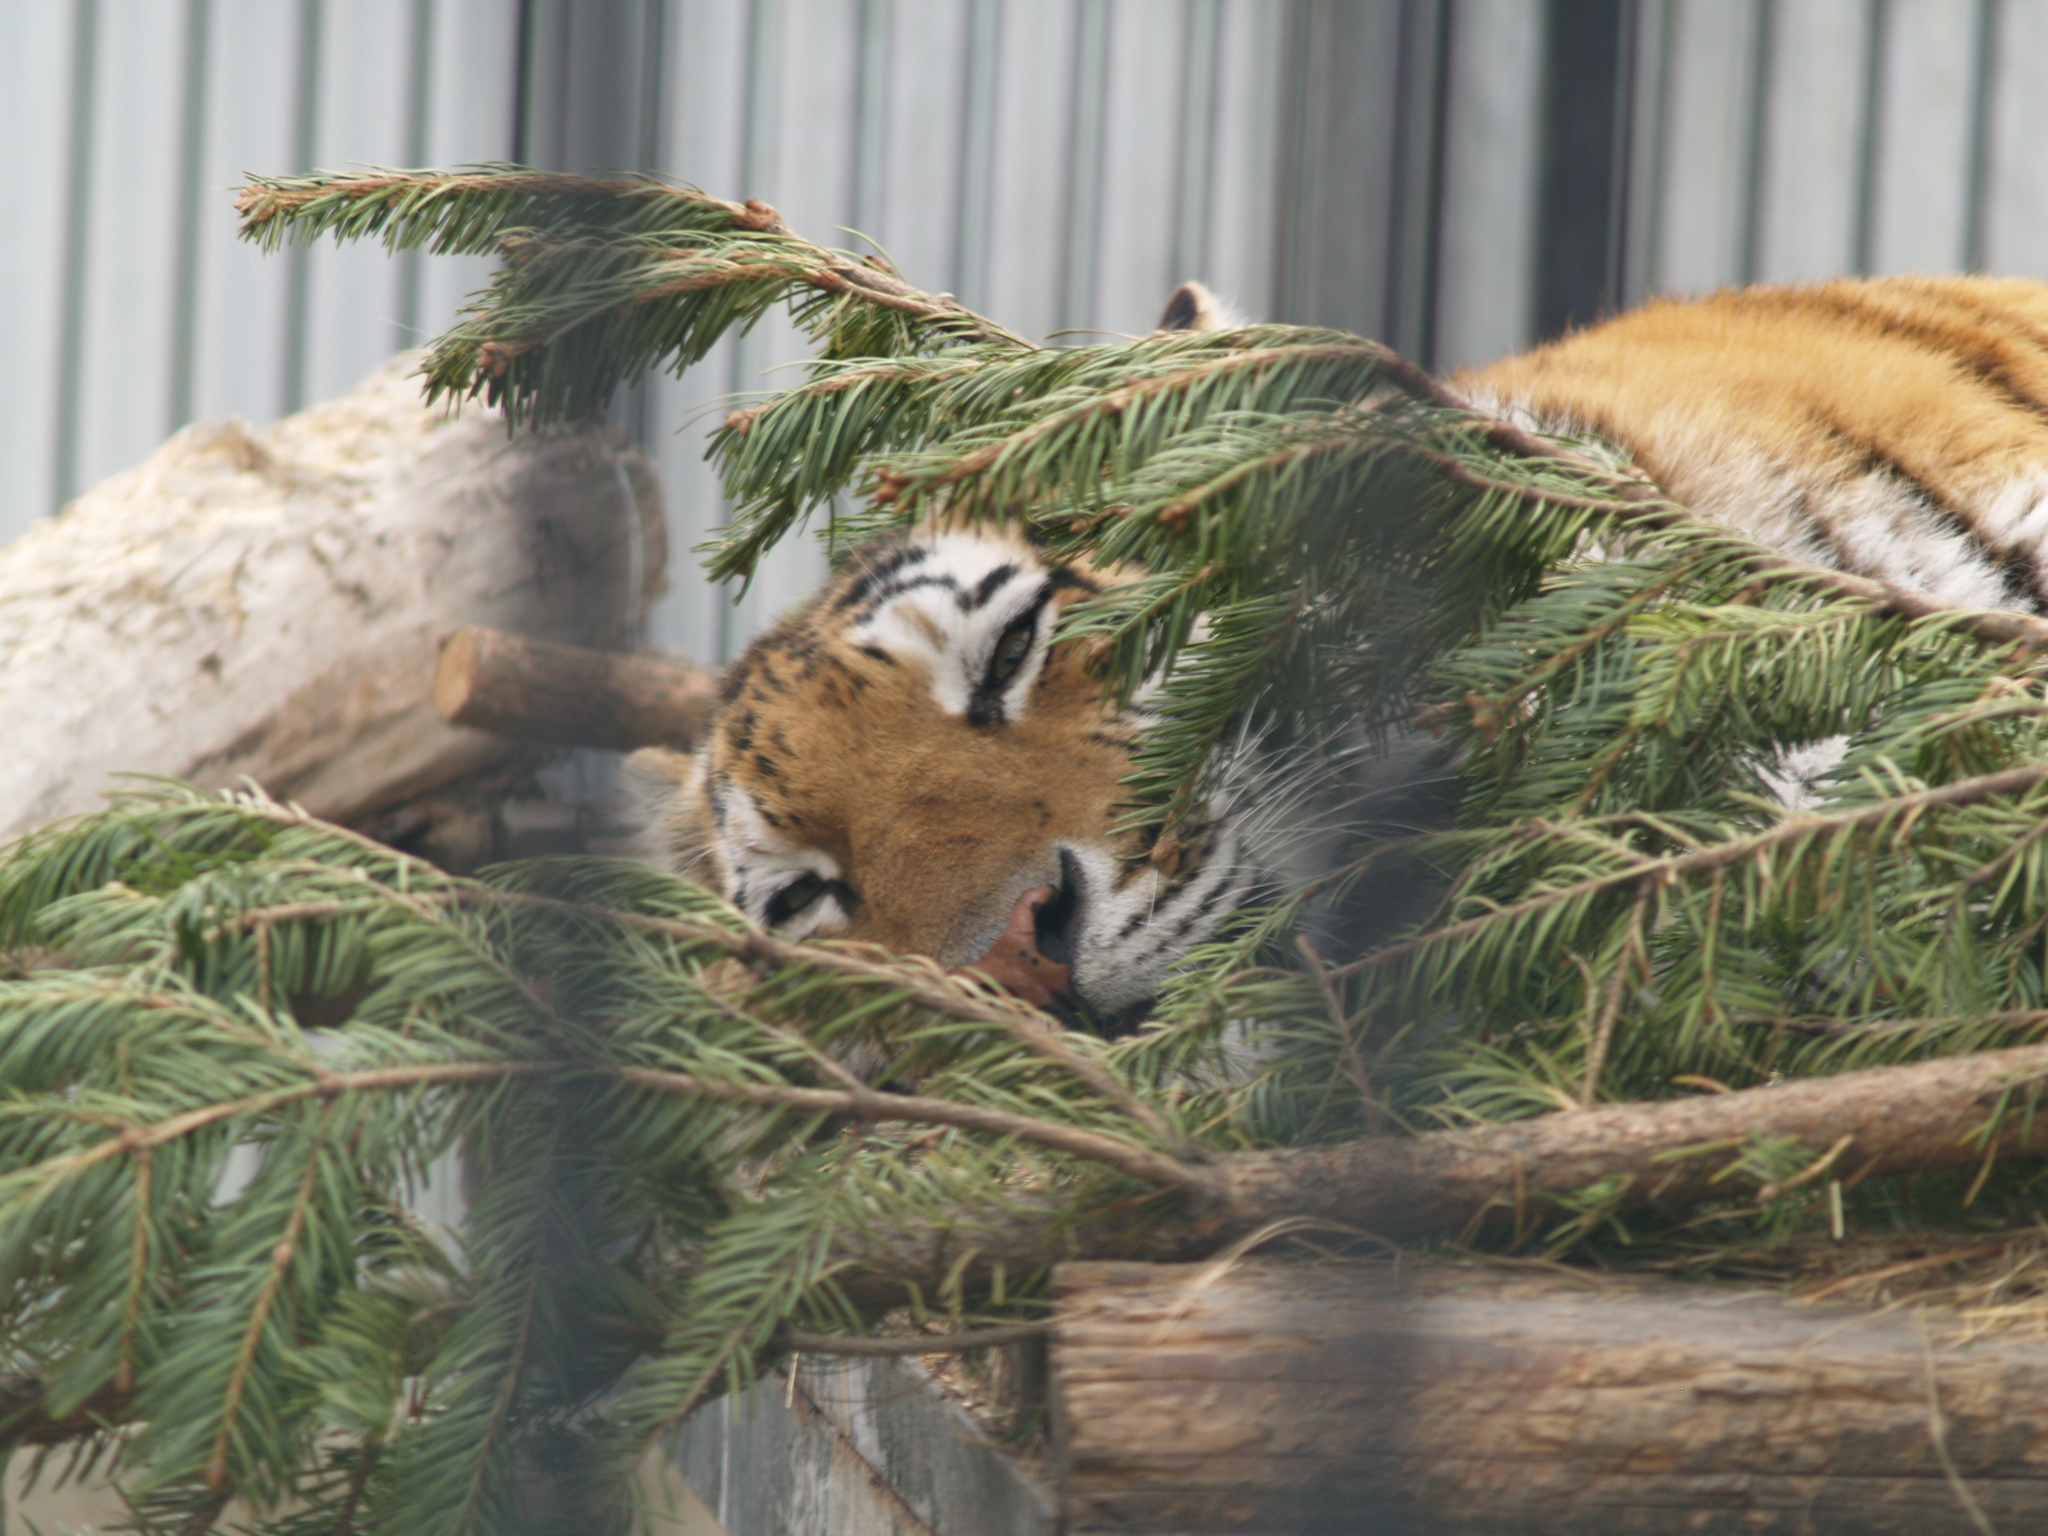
<point>1696,246</point>
<point>706,142</point>
<point>249,118</point>
<point>1244,182</point>
<point>360,118</point>
<point>2016,192</point>
<point>35,54</point>
<point>470,91</point>
<point>1137,221</point>
<point>1486,272</point>
<point>114,410</point>
<point>1028,195</point>
<point>1923,145</point>
<point>1813,123</point>
<point>1056,162</point>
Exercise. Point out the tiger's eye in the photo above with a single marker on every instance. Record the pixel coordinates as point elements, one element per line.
<point>793,899</point>
<point>1011,650</point>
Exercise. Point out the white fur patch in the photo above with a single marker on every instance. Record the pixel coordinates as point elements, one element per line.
<point>760,864</point>
<point>949,610</point>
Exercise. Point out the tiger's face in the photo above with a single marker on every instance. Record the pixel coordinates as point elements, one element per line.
<point>912,759</point>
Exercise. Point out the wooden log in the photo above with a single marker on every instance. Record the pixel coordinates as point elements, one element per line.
<point>268,603</point>
<point>1465,1399</point>
<point>566,695</point>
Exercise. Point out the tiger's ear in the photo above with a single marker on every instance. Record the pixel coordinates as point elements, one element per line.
<point>1195,308</point>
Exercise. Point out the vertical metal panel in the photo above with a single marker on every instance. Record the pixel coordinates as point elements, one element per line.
<point>1033,109</point>
<point>1344,94</point>
<point>240,296</point>
<point>706,140</point>
<point>1708,115</point>
<point>1244,200</point>
<point>35,53</point>
<point>2016,180</point>
<point>472,48</point>
<point>1487,264</point>
<point>918,210</point>
<point>1813,122</point>
<point>361,107</point>
<point>1923,138</point>
<point>1137,228</point>
<point>117,405</point>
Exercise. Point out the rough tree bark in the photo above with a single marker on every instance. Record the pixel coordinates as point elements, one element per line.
<point>1461,1399</point>
<point>268,603</point>
<point>1951,1112</point>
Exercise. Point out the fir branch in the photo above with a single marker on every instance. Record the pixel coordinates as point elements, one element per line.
<point>1146,1166</point>
<point>1659,872</point>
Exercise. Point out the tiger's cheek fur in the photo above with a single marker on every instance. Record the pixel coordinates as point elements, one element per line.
<point>862,758</point>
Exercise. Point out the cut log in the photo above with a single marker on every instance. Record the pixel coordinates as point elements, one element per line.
<point>1471,1400</point>
<point>268,604</point>
<point>568,696</point>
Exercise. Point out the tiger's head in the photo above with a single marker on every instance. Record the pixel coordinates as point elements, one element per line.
<point>913,759</point>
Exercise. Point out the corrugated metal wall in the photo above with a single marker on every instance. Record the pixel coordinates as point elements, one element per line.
<point>1453,175</point>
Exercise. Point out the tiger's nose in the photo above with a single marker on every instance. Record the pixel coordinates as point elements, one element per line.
<point>1017,963</point>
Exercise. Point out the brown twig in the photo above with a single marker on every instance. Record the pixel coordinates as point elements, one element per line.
<point>869,1104</point>
<point>915,1344</point>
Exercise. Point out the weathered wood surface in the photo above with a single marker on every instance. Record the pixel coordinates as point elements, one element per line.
<point>1354,1398</point>
<point>268,604</point>
<point>569,696</point>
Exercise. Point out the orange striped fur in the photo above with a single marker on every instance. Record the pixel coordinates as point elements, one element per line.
<point>1896,427</point>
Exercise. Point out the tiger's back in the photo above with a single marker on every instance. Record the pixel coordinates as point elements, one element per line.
<point>1894,427</point>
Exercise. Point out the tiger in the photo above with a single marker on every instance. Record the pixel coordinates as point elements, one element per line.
<point>916,758</point>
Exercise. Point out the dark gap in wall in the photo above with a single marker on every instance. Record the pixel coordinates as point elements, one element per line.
<point>1586,86</point>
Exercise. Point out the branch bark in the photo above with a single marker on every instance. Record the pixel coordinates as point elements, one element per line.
<point>1945,1113</point>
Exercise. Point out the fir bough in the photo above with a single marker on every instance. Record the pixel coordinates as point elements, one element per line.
<point>234,1042</point>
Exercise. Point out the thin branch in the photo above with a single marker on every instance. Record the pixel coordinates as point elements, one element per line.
<point>281,1257</point>
<point>1721,856</point>
<point>1933,1114</point>
<point>1117,401</point>
<point>1641,504</point>
<point>1617,989</point>
<point>1138,1162</point>
<point>916,1344</point>
<point>949,995</point>
<point>141,1137</point>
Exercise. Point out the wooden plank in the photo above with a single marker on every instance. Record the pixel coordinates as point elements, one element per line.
<point>854,1448</point>
<point>1487,1402</point>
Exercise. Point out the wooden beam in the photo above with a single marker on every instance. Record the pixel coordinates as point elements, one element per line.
<point>1482,1401</point>
<point>565,695</point>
